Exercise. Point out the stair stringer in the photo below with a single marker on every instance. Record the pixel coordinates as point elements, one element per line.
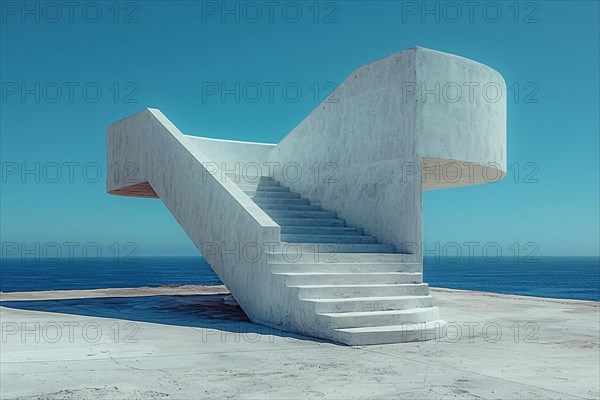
<point>230,231</point>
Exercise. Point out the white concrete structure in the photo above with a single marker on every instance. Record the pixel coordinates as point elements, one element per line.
<point>320,234</point>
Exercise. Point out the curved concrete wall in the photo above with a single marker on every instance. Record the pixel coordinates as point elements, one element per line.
<point>383,129</point>
<point>367,137</point>
<point>460,120</point>
<point>463,116</point>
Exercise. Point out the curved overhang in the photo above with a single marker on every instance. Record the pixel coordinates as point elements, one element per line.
<point>142,189</point>
<point>439,173</point>
<point>460,125</point>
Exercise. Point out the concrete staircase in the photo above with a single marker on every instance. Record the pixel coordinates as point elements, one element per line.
<point>307,224</point>
<point>289,264</point>
<point>356,290</point>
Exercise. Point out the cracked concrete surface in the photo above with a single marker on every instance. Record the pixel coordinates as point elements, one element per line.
<point>195,342</point>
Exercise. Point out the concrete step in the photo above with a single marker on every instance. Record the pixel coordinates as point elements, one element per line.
<point>359,304</point>
<point>389,334</point>
<point>359,319</point>
<point>246,187</point>
<point>340,278</point>
<point>329,222</point>
<point>333,248</point>
<point>251,179</point>
<point>301,214</point>
<point>341,267</point>
<point>348,291</point>
<point>262,201</point>
<point>320,230</point>
<point>249,186</point>
<point>271,188</point>
<point>268,181</point>
<point>271,195</point>
<point>291,207</point>
<point>290,253</point>
<point>300,238</point>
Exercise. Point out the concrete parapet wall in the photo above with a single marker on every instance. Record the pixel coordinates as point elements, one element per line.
<point>212,209</point>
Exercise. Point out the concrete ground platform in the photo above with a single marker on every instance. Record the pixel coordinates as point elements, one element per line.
<point>195,342</point>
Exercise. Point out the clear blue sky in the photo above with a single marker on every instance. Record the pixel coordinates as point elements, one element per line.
<point>166,51</point>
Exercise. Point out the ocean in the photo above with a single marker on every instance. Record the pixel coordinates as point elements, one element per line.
<point>556,277</point>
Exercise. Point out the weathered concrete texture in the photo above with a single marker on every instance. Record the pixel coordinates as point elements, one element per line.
<point>383,125</point>
<point>202,346</point>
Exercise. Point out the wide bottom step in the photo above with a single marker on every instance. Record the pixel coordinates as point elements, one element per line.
<point>411,332</point>
<point>361,304</point>
<point>336,278</point>
<point>350,291</point>
<point>380,318</point>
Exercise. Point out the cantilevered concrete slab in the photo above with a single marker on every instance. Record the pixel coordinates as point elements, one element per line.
<point>321,233</point>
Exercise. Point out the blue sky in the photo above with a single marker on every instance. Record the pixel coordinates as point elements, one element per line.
<point>111,59</point>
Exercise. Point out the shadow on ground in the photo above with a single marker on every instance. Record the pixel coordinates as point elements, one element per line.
<point>212,311</point>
